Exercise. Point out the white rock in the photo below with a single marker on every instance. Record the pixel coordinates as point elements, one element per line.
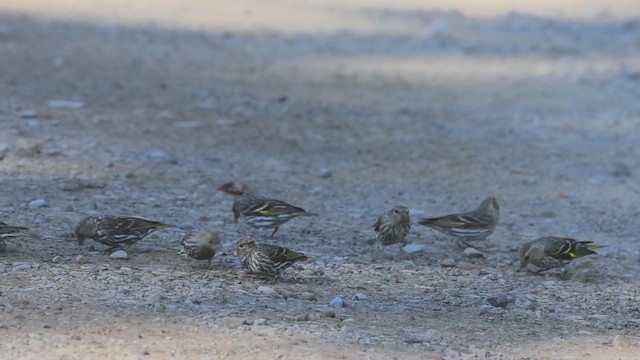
<point>21,267</point>
<point>27,114</point>
<point>68,104</point>
<point>448,262</point>
<point>57,259</point>
<point>267,291</point>
<point>472,252</point>
<point>451,292</point>
<point>325,173</point>
<point>414,248</point>
<point>225,122</point>
<point>37,203</point>
<point>337,302</point>
<point>119,254</point>
<point>309,296</point>
<point>359,296</point>
<point>432,335</point>
<point>187,124</point>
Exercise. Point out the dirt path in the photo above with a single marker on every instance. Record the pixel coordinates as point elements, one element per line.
<point>345,109</point>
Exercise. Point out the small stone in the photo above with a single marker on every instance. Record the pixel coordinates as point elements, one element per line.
<point>57,259</point>
<point>303,317</point>
<point>433,336</point>
<point>328,314</point>
<point>621,170</point>
<point>622,340</point>
<point>76,337</point>
<point>472,252</point>
<point>499,300</point>
<point>265,290</point>
<point>37,203</point>
<point>233,322</point>
<point>187,124</point>
<point>337,302</point>
<point>27,114</point>
<point>451,292</point>
<point>81,259</point>
<point>46,326</point>
<point>225,122</point>
<point>68,104</point>
<point>309,296</point>
<point>414,248</point>
<point>412,339</point>
<point>359,297</point>
<point>325,173</point>
<point>260,322</point>
<point>119,254</point>
<point>448,262</point>
<point>21,267</point>
<point>69,208</point>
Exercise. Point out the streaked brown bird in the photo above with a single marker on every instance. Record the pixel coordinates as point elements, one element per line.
<point>265,259</point>
<point>552,252</point>
<point>262,212</point>
<point>115,231</point>
<point>393,226</point>
<point>201,244</point>
<point>9,231</point>
<point>472,225</point>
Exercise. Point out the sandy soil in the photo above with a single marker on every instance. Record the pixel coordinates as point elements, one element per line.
<point>345,108</point>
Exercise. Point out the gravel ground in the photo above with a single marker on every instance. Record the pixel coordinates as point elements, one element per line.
<point>345,109</point>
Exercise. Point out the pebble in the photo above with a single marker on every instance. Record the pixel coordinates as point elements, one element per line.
<point>472,252</point>
<point>328,314</point>
<point>621,170</point>
<point>337,302</point>
<point>448,262</point>
<point>81,259</point>
<point>119,254</point>
<point>57,259</point>
<point>225,122</point>
<point>265,290</point>
<point>37,203</point>
<point>260,322</point>
<point>432,335</point>
<point>303,317</point>
<point>499,300</point>
<point>325,173</point>
<point>68,104</point>
<point>233,322</point>
<point>451,292</point>
<point>359,296</point>
<point>27,114</point>
<point>622,340</point>
<point>415,248</point>
<point>21,267</point>
<point>309,296</point>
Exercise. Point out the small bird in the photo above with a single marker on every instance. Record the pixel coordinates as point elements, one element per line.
<point>9,231</point>
<point>473,225</point>
<point>201,244</point>
<point>551,252</point>
<point>115,231</point>
<point>262,212</point>
<point>392,227</point>
<point>265,259</point>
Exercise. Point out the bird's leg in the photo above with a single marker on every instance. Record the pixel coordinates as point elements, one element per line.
<point>274,232</point>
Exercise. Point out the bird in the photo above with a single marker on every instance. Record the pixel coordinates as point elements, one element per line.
<point>201,244</point>
<point>262,212</point>
<point>115,231</point>
<point>265,259</point>
<point>551,252</point>
<point>472,225</point>
<point>9,231</point>
<point>392,227</point>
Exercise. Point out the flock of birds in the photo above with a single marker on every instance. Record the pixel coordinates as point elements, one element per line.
<point>269,260</point>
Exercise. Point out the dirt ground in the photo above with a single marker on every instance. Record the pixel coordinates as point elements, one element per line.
<point>345,108</point>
